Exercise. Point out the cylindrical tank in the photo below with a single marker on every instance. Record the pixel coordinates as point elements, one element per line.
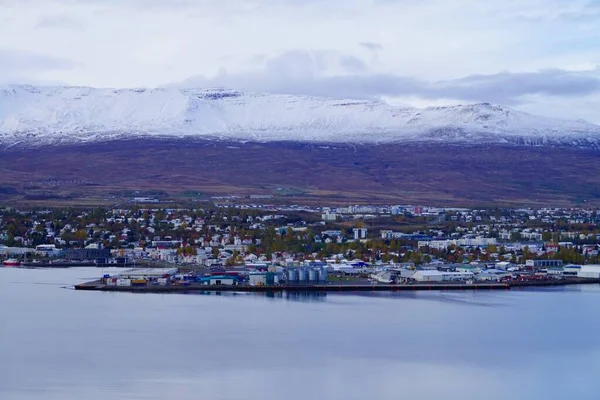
<point>292,276</point>
<point>302,275</point>
<point>313,275</point>
<point>323,275</point>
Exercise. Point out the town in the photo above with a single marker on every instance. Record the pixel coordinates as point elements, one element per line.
<point>229,242</point>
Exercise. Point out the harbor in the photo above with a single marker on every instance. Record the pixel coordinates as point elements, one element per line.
<point>172,280</point>
<point>99,286</point>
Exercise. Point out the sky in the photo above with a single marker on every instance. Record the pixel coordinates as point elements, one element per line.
<point>539,56</point>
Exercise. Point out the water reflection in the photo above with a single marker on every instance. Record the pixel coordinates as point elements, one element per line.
<point>304,296</point>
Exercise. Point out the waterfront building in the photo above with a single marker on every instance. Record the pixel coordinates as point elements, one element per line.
<point>457,276</point>
<point>428,276</point>
<point>589,271</point>
<point>571,269</point>
<point>148,273</point>
<point>87,254</point>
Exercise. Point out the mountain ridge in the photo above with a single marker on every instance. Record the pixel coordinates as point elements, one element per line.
<point>35,116</point>
<point>421,173</point>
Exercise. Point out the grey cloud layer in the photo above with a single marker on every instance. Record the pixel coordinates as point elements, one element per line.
<point>24,67</point>
<point>302,73</point>
<point>12,60</point>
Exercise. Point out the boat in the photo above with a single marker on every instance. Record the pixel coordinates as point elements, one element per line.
<point>11,262</point>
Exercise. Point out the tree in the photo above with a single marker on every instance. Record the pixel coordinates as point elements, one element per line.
<point>81,235</point>
<point>547,236</point>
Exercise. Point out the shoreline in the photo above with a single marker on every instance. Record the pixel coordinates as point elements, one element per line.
<point>98,286</point>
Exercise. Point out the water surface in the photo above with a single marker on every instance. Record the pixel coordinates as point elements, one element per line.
<point>57,343</point>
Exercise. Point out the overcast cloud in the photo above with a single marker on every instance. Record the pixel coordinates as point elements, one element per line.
<point>536,55</point>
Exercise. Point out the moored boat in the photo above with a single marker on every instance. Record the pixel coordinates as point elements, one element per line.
<point>11,262</point>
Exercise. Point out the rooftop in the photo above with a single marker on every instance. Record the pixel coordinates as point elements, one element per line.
<point>158,272</point>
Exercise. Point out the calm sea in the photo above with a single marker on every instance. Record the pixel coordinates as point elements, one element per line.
<point>56,343</point>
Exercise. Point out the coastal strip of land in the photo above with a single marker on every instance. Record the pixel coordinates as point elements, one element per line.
<point>193,287</point>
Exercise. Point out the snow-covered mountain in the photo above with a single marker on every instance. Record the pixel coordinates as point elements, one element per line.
<point>51,115</point>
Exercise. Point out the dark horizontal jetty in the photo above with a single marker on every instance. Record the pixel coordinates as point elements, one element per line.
<point>97,285</point>
<point>56,264</point>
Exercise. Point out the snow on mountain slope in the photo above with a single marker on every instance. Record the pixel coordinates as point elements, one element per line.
<point>50,115</point>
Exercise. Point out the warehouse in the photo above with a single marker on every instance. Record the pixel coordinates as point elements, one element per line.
<point>148,273</point>
<point>571,269</point>
<point>220,280</point>
<point>589,271</point>
<point>223,280</point>
<point>428,276</point>
<point>264,278</point>
<point>457,276</point>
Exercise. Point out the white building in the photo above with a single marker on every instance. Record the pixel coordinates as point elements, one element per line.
<point>457,276</point>
<point>145,273</point>
<point>504,265</point>
<point>589,271</point>
<point>473,269</point>
<point>465,242</point>
<point>329,216</point>
<point>359,233</point>
<point>383,277</point>
<point>543,263</point>
<point>257,279</point>
<point>428,276</point>
<point>47,250</point>
<point>441,276</point>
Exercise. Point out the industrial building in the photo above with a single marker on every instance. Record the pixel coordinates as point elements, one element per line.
<point>302,276</point>
<point>543,263</point>
<point>222,280</point>
<point>263,278</point>
<point>589,271</point>
<point>440,276</point>
<point>86,254</point>
<point>457,276</point>
<point>384,277</point>
<point>148,273</point>
<point>428,276</point>
<point>571,269</point>
<point>468,268</point>
<point>218,280</point>
<point>493,275</point>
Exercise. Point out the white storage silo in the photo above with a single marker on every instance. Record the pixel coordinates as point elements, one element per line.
<point>323,275</point>
<point>302,275</point>
<point>292,275</point>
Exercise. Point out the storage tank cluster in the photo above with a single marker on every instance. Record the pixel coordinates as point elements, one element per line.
<point>303,276</point>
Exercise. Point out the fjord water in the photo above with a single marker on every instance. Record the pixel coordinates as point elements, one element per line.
<point>57,343</point>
